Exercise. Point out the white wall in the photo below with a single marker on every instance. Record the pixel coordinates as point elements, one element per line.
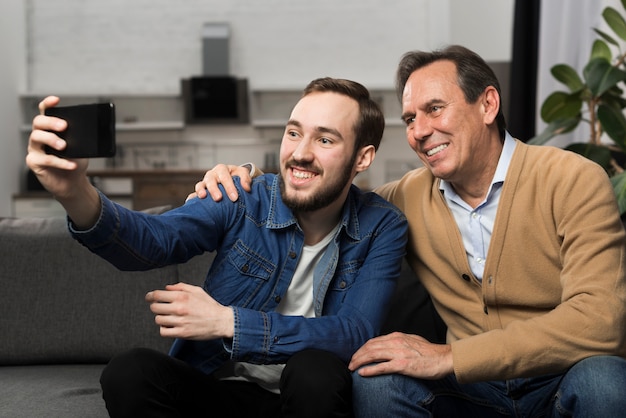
<point>12,81</point>
<point>485,26</point>
<point>147,46</point>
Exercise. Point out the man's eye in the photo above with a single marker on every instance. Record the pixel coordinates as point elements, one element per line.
<point>326,141</point>
<point>435,109</point>
<point>409,120</point>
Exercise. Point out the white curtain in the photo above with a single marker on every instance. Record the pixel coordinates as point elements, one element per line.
<point>566,35</point>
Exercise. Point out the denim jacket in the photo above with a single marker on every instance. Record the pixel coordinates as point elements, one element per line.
<point>258,243</point>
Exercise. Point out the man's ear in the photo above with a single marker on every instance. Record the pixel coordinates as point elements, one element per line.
<point>491,104</point>
<point>365,158</point>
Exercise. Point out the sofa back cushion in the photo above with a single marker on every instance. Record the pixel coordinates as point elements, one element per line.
<point>60,303</point>
<point>412,311</point>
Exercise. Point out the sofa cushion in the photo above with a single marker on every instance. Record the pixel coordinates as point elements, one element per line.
<point>62,304</point>
<point>51,391</point>
<point>412,311</point>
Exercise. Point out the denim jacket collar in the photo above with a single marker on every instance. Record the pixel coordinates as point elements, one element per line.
<point>281,216</point>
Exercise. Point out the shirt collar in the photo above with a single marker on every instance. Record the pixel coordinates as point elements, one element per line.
<point>505,159</point>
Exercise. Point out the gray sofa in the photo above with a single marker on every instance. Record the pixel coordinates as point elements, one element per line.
<point>64,312</point>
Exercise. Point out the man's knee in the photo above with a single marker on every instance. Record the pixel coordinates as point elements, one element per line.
<point>595,383</point>
<point>118,368</point>
<point>364,387</point>
<point>319,380</point>
<point>127,368</point>
<point>316,368</point>
<point>372,392</point>
<point>125,379</point>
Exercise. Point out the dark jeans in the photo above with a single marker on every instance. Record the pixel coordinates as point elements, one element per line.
<point>147,383</point>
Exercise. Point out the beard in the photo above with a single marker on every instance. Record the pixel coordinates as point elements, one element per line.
<point>322,197</point>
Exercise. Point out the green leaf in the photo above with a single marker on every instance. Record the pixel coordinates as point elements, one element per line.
<point>557,127</point>
<point>560,105</point>
<point>619,187</point>
<point>615,22</point>
<point>601,76</point>
<point>614,98</point>
<point>601,50</point>
<point>606,37</point>
<point>598,153</point>
<point>614,124</point>
<point>568,76</point>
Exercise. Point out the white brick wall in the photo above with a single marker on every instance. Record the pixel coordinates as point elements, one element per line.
<point>146,46</point>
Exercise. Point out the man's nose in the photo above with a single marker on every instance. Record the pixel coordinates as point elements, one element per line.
<point>303,151</point>
<point>421,128</point>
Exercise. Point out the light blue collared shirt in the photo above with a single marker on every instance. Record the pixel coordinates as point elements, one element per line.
<point>476,224</point>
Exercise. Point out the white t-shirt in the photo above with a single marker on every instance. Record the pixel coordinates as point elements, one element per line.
<point>298,301</point>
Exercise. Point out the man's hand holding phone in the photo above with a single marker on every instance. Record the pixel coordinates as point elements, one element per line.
<point>65,178</point>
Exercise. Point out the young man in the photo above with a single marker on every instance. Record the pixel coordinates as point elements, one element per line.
<point>523,252</point>
<point>304,267</point>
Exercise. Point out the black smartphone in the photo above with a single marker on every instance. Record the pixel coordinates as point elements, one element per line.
<point>90,130</point>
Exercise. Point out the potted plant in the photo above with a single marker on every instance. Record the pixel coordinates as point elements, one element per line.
<point>595,98</point>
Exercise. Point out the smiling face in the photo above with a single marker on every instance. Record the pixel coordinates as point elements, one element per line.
<point>453,138</point>
<point>317,152</point>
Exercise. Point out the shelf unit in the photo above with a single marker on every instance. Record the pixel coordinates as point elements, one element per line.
<point>151,128</point>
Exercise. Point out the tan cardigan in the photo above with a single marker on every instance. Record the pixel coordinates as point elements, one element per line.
<point>554,287</point>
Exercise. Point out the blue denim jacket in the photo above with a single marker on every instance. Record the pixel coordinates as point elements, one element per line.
<point>258,243</point>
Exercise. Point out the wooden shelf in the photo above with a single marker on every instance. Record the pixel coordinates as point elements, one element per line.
<point>151,188</point>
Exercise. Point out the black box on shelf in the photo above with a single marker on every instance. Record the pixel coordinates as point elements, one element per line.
<point>215,99</point>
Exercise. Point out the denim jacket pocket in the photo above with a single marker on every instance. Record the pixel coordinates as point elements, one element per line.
<point>345,276</point>
<point>249,263</point>
<point>241,280</point>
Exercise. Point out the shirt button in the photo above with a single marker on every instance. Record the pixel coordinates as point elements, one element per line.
<point>466,277</point>
<point>292,254</point>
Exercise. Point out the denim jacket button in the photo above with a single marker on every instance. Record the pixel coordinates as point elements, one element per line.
<point>292,254</point>
<point>277,299</point>
<point>245,268</point>
<point>342,285</point>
